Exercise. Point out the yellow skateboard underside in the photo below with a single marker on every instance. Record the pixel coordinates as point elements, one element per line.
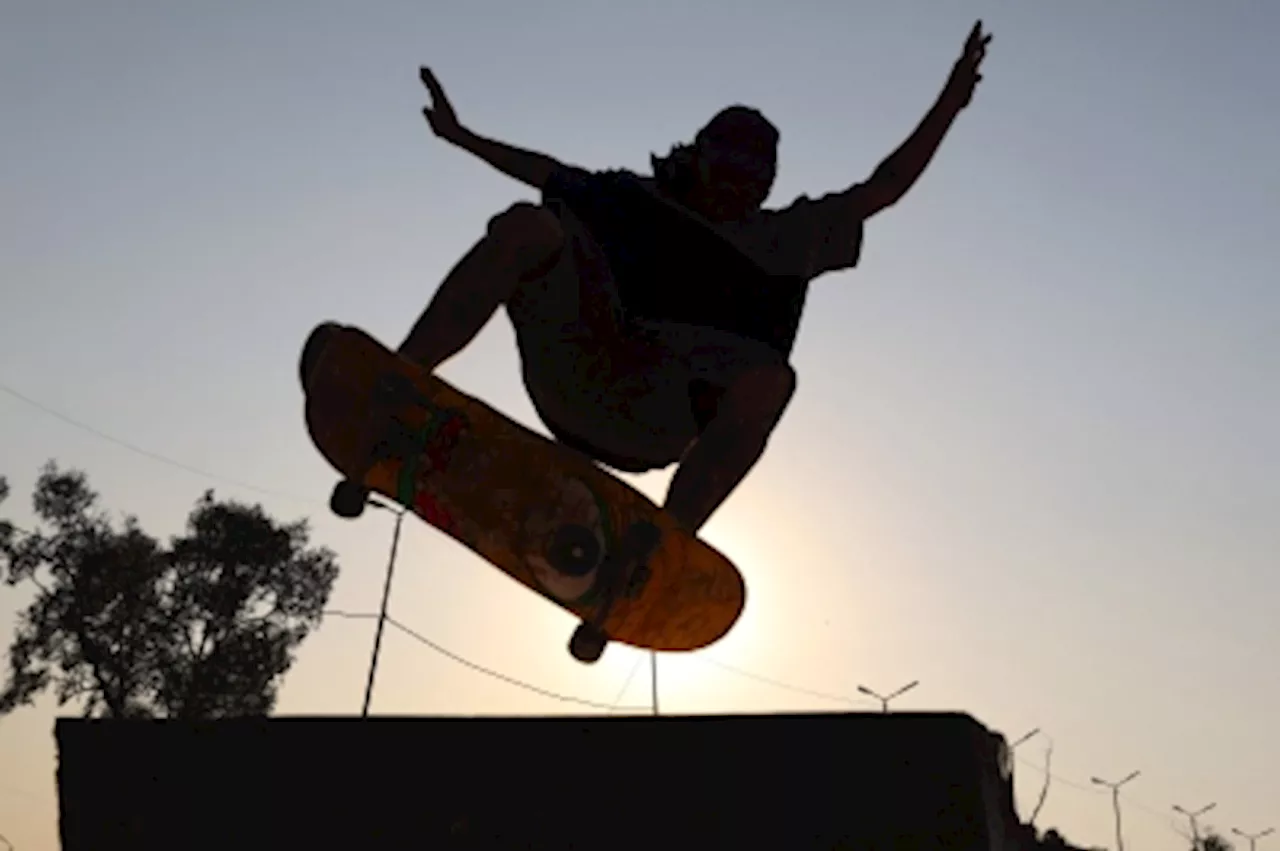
<point>542,513</point>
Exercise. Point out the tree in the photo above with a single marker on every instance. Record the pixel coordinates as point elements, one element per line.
<point>1214,842</point>
<point>205,627</point>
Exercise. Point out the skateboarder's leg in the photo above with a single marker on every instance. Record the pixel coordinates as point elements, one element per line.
<point>725,439</point>
<point>731,444</point>
<point>643,418</point>
<point>518,242</point>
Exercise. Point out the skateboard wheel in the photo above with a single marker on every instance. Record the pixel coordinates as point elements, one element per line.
<point>588,643</point>
<point>574,550</point>
<point>348,499</point>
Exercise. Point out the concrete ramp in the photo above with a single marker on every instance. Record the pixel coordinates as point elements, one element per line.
<point>796,781</point>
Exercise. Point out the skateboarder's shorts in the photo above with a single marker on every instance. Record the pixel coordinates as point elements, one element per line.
<point>635,404</point>
<point>634,394</point>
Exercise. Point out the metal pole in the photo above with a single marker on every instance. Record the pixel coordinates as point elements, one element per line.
<point>1252,837</point>
<point>1195,827</point>
<point>382,615</point>
<point>1115,803</point>
<point>653,678</point>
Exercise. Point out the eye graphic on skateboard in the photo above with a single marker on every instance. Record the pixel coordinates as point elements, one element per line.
<point>565,543</point>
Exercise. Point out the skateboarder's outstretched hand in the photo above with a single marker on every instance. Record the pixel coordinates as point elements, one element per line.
<point>529,167</point>
<point>440,115</point>
<point>965,77</point>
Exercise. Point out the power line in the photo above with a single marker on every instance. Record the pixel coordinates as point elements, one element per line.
<point>444,651</point>
<point>522,684</point>
<point>838,698</point>
<point>626,684</point>
<point>155,456</point>
<point>1058,777</point>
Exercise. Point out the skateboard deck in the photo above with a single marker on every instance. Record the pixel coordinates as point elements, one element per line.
<point>542,513</point>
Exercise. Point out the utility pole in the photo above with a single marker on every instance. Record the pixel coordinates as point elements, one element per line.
<point>386,594</point>
<point>884,701</point>
<point>1252,837</point>
<point>653,678</point>
<point>1195,827</point>
<point>1115,802</point>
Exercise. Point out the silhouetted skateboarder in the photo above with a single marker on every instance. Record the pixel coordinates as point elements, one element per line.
<point>655,315</point>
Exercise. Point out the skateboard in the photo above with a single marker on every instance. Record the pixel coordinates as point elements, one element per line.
<point>541,512</point>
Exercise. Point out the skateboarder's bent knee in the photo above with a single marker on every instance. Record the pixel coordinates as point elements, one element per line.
<point>518,243</point>
<point>526,235</point>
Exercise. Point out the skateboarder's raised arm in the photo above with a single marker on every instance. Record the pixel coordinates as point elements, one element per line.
<point>528,167</point>
<point>901,169</point>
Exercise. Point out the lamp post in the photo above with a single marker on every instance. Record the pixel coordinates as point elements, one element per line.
<point>386,594</point>
<point>1252,837</point>
<point>1115,802</point>
<point>1192,816</point>
<point>884,701</point>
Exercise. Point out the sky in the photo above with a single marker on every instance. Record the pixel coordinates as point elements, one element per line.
<point>1032,458</point>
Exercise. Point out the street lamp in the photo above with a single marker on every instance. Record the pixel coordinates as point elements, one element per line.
<point>1252,837</point>
<point>1195,827</point>
<point>884,701</point>
<point>386,593</point>
<point>1115,802</point>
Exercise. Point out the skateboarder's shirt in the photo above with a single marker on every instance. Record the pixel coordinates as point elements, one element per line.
<point>652,257</point>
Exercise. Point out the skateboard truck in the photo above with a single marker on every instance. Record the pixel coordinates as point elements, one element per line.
<point>623,573</point>
<point>393,390</point>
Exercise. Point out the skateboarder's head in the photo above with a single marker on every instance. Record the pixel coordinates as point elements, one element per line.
<point>729,169</point>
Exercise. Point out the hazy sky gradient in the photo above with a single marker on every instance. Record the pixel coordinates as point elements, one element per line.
<point>1033,458</point>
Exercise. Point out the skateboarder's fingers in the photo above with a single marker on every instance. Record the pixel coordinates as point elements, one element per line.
<point>433,85</point>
